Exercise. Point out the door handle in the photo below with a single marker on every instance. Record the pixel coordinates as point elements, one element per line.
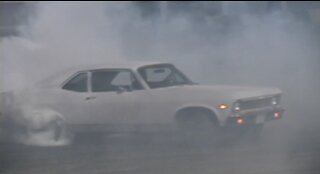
<point>90,98</point>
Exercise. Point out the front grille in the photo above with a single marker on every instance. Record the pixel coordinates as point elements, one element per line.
<point>255,103</point>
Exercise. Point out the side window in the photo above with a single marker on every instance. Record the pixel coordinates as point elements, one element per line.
<point>111,80</point>
<point>123,78</point>
<point>159,76</point>
<point>78,83</point>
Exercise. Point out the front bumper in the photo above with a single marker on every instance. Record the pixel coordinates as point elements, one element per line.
<point>255,116</point>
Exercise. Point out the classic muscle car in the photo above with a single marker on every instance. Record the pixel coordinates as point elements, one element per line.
<point>130,97</point>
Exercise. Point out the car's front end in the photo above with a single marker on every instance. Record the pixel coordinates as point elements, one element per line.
<point>255,110</point>
<point>236,105</point>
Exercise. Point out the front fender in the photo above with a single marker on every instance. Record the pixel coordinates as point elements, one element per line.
<point>218,115</point>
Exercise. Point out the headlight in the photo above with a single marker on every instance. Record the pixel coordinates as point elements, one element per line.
<point>236,107</point>
<point>274,101</point>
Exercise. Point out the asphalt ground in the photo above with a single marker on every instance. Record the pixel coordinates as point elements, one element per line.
<point>279,150</point>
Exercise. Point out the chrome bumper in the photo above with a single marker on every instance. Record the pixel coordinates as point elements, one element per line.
<point>251,116</point>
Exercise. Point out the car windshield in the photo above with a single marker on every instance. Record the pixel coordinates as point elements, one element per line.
<point>163,75</point>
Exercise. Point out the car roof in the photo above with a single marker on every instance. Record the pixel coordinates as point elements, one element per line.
<point>62,75</point>
<point>116,65</point>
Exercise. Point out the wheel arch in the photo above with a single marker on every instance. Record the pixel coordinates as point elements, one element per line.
<point>37,118</point>
<point>204,108</point>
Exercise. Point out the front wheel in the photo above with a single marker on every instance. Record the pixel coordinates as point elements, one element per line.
<point>198,126</point>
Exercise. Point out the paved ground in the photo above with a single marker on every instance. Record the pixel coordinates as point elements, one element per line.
<point>278,152</point>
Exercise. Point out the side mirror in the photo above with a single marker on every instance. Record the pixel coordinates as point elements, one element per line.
<point>121,89</point>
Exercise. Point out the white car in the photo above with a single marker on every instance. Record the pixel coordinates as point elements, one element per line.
<point>131,97</point>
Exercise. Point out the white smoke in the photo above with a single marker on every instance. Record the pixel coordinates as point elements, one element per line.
<point>272,49</point>
<point>235,47</point>
<point>61,35</point>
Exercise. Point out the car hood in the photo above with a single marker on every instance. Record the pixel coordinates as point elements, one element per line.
<point>231,92</point>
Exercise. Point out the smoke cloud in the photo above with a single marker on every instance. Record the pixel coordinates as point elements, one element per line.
<point>212,43</point>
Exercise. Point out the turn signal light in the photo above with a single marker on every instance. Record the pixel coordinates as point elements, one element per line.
<point>223,107</point>
<point>276,114</point>
<point>240,120</point>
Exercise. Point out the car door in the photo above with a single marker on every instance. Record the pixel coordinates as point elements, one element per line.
<point>161,100</point>
<point>115,97</point>
<point>72,100</point>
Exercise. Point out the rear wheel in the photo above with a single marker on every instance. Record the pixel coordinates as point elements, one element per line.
<point>58,130</point>
<point>55,133</point>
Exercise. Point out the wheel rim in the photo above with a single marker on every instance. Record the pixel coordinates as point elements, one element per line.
<point>198,125</point>
<point>57,127</point>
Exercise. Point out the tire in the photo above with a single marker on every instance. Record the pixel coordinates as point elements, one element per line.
<point>55,133</point>
<point>198,126</point>
<point>58,128</point>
